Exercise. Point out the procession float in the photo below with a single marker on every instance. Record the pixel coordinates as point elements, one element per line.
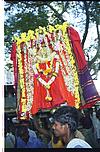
<point>50,69</point>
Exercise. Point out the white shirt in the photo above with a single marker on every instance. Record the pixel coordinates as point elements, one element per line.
<point>78,143</point>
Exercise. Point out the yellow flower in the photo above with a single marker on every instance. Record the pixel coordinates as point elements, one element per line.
<point>37,30</point>
<point>19,41</point>
<point>51,28</point>
<point>47,86</point>
<point>47,71</point>
<point>44,30</point>
<point>15,38</point>
<point>54,74</point>
<point>64,27</point>
<point>30,35</point>
<point>72,61</point>
<point>27,38</point>
<point>40,30</point>
<point>30,32</point>
<point>58,27</point>
<point>23,35</point>
<point>48,98</point>
<point>65,24</point>
<point>37,65</point>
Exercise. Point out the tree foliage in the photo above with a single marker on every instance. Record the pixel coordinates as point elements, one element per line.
<point>25,15</point>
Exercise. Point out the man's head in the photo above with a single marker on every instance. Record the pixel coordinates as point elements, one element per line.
<point>23,133</point>
<point>65,119</point>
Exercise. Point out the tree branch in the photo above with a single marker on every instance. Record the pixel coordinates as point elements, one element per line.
<point>55,12</point>
<point>87,23</point>
<point>64,7</point>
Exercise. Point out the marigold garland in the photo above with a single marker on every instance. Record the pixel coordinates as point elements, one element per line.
<point>74,71</point>
<point>43,45</point>
<point>22,83</point>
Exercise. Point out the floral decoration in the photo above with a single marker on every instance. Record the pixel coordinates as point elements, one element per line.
<point>45,45</point>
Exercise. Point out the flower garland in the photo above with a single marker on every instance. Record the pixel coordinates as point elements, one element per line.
<point>69,63</point>
<point>44,83</point>
<point>29,82</point>
<point>74,70</point>
<point>43,45</point>
<point>70,66</point>
<point>72,82</point>
<point>22,84</point>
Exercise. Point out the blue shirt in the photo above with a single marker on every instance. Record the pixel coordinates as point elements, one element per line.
<point>32,143</point>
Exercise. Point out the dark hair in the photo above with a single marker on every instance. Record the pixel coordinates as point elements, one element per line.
<point>69,115</point>
<point>21,130</point>
<point>98,113</point>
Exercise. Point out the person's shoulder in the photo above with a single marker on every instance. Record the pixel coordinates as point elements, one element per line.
<point>30,130</point>
<point>78,143</point>
<point>32,133</point>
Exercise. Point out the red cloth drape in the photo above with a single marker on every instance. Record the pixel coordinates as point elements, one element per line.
<point>14,59</point>
<point>57,91</point>
<point>90,93</point>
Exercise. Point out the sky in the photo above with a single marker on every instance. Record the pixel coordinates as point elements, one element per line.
<point>97,82</point>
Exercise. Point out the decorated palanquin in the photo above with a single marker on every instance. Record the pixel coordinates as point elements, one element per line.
<point>50,69</point>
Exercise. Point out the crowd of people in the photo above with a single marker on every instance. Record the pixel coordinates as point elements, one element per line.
<point>67,127</point>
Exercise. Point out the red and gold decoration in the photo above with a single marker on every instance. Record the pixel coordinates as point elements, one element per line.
<point>47,70</point>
